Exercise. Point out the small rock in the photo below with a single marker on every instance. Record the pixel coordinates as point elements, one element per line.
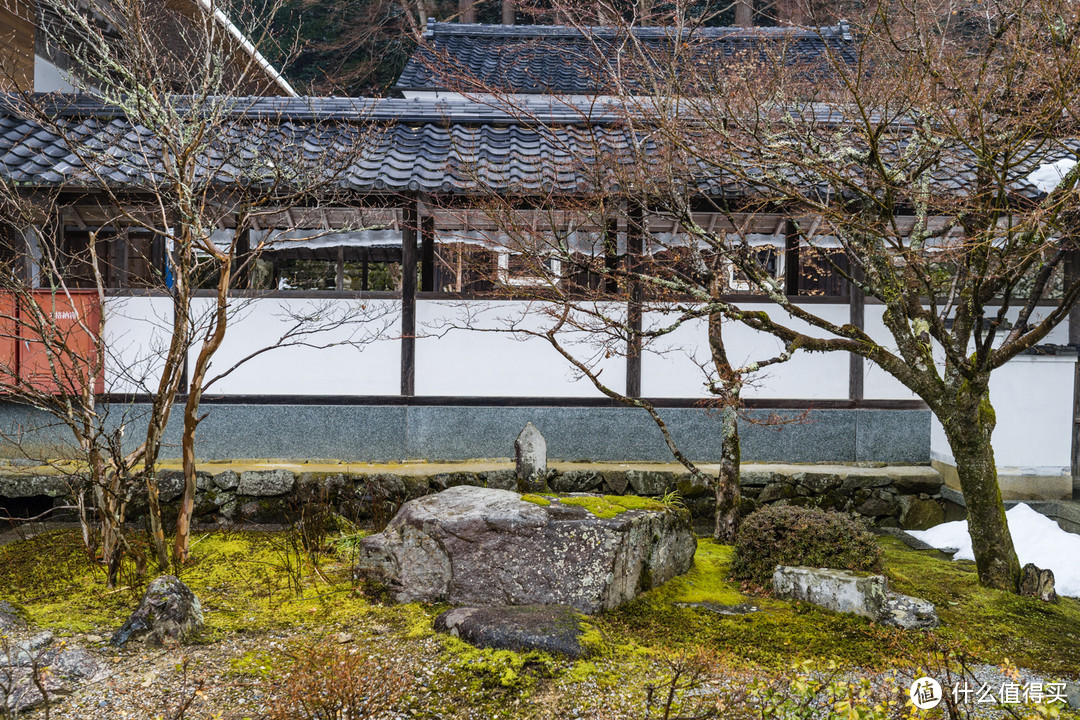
<point>227,480</point>
<point>169,612</point>
<point>94,639</point>
<point>1072,695</point>
<point>37,642</point>
<point>919,514</point>
<point>1039,583</point>
<point>549,628</point>
<point>651,483</point>
<point>343,638</point>
<point>9,617</point>
<point>577,481</point>
<point>265,483</point>
<point>530,455</point>
<point>909,613</point>
<point>170,485</point>
<point>19,693</point>
<point>739,609</point>
<point>75,663</point>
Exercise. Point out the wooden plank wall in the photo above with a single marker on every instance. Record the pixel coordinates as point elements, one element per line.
<point>16,45</point>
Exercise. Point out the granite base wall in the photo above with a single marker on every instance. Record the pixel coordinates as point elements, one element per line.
<point>890,496</point>
<point>387,433</point>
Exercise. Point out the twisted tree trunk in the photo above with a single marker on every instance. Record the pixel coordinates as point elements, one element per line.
<point>969,424</point>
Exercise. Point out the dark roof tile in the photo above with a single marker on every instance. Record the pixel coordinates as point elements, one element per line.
<point>533,59</point>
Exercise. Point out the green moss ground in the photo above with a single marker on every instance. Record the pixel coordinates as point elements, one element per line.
<point>605,507</point>
<point>246,586</point>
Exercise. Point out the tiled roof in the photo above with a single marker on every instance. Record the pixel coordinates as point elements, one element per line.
<point>597,61</point>
<point>391,146</point>
<point>407,145</point>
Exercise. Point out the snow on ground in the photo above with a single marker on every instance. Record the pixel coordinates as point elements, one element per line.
<point>1037,538</point>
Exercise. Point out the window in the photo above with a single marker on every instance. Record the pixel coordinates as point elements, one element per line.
<point>125,259</point>
<point>528,271</point>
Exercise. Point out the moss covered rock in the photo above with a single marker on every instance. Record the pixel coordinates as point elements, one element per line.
<point>482,546</point>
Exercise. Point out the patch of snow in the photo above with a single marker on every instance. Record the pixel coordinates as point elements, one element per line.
<point>1049,175</point>
<point>1037,538</point>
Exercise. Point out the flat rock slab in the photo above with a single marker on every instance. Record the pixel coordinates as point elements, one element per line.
<point>865,595</point>
<point>552,629</point>
<point>718,609</point>
<point>478,546</point>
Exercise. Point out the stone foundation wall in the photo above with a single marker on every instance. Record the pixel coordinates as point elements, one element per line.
<point>890,496</point>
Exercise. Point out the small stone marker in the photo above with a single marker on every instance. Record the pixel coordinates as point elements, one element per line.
<point>530,454</point>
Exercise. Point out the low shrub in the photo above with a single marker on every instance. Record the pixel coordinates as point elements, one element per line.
<point>787,535</point>
<point>333,682</point>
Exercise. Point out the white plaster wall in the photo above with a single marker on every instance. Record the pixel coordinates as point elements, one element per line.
<point>467,349</point>
<point>374,368</point>
<point>878,384</point>
<point>1032,398</point>
<point>670,364</point>
<point>137,331</point>
<point>49,78</point>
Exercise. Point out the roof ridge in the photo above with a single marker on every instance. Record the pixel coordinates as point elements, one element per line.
<point>842,29</point>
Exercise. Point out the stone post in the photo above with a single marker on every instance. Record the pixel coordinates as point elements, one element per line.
<point>530,454</point>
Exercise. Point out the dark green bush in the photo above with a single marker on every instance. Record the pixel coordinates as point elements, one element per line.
<point>787,535</point>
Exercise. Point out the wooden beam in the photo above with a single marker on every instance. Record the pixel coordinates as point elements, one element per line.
<point>408,300</point>
<point>635,247</point>
<point>611,256</point>
<point>427,254</point>
<point>857,363</point>
<point>791,258</point>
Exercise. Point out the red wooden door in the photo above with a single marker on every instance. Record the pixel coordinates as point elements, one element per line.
<point>71,326</point>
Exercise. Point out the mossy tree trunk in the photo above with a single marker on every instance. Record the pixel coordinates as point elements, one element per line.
<point>969,424</point>
<point>727,485</point>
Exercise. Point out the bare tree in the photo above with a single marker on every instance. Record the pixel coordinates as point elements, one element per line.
<point>935,172</point>
<point>933,169</point>
<point>168,141</point>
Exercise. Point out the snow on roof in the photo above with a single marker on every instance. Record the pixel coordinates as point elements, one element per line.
<point>1049,175</point>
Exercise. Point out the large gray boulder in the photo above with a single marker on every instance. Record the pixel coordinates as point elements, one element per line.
<point>486,547</point>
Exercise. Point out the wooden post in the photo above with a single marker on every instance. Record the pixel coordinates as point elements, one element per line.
<point>243,260</point>
<point>744,12</point>
<point>466,11</point>
<point>635,248</point>
<point>611,256</point>
<point>427,254</point>
<point>791,258</point>
<point>408,298</point>
<point>509,12</point>
<point>1072,275</point>
<point>857,305</point>
<point>364,271</point>
<point>339,276</point>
